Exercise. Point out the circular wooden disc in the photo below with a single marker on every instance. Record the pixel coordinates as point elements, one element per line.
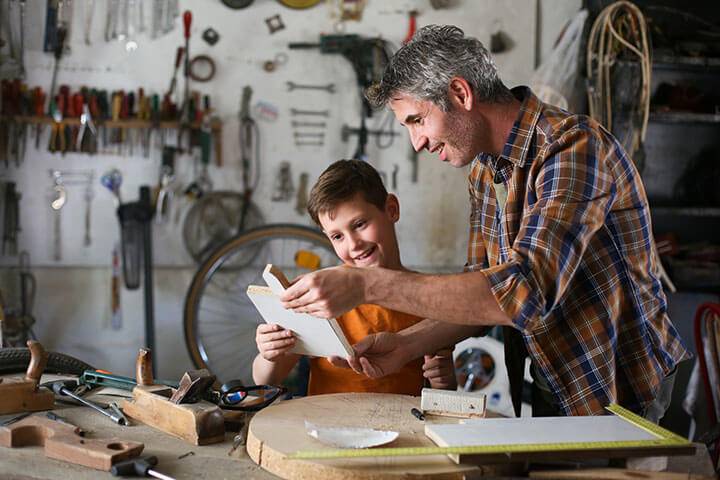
<point>279,430</point>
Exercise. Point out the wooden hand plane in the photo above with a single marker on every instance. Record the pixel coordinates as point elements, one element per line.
<point>22,394</point>
<point>159,406</point>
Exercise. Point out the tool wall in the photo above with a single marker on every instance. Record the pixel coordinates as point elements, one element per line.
<point>251,49</point>
<point>254,74</point>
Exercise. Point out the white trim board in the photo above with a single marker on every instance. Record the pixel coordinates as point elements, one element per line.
<point>317,337</point>
<point>529,431</point>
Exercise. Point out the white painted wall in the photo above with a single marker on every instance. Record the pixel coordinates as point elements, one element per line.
<point>72,305</point>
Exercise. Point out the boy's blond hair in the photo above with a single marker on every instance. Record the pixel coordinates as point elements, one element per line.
<point>343,180</point>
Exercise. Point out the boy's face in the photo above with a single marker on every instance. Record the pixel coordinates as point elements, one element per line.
<point>362,234</point>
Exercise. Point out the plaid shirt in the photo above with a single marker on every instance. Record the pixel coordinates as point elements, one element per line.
<point>571,259</point>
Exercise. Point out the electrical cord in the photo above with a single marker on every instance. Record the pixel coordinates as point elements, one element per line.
<point>620,30</point>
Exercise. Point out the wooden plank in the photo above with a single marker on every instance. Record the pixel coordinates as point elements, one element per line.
<point>614,474</point>
<point>565,431</point>
<point>62,442</point>
<point>453,403</point>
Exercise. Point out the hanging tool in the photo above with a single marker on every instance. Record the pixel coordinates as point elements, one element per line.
<point>249,146</point>
<point>61,33</point>
<point>165,194</point>
<point>330,87</point>
<point>138,467</point>
<point>62,387</point>
<point>187,20</point>
<point>86,143</point>
<point>173,81</point>
<point>39,107</point>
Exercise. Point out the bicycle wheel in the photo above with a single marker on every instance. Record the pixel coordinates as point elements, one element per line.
<point>220,320</point>
<point>16,360</point>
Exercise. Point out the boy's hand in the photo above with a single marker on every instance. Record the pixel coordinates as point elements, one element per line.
<point>378,354</point>
<point>439,369</point>
<point>326,293</point>
<point>273,341</point>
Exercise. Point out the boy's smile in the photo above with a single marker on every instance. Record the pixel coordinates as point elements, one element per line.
<point>362,234</point>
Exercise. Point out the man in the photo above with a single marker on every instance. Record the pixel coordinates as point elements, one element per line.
<point>561,251</point>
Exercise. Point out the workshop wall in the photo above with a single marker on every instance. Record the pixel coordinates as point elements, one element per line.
<point>72,305</point>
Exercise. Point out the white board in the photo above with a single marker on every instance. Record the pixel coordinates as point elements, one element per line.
<point>528,431</point>
<point>317,337</point>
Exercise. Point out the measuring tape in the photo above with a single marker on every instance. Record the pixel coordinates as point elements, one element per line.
<point>666,438</point>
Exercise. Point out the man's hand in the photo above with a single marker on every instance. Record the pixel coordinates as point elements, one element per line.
<point>439,369</point>
<point>327,293</point>
<point>273,341</point>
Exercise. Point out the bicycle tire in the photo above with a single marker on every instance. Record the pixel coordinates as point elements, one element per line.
<point>218,314</point>
<point>16,360</point>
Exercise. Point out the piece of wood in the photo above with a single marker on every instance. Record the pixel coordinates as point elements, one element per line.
<point>199,423</point>
<point>275,279</point>
<point>279,430</point>
<point>62,442</point>
<point>614,474</point>
<point>453,403</point>
<point>492,432</point>
<point>317,337</point>
<point>22,394</point>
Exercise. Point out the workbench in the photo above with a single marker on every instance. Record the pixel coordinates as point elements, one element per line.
<point>214,461</point>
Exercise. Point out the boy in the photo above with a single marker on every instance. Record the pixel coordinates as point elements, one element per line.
<point>351,204</point>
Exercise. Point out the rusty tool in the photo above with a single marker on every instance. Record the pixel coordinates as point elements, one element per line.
<point>60,387</point>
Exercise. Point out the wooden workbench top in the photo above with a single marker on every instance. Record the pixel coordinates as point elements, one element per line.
<point>210,461</point>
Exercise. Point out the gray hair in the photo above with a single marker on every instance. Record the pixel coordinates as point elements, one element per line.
<point>424,66</point>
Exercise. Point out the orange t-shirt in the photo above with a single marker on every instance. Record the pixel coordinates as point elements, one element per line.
<point>357,324</point>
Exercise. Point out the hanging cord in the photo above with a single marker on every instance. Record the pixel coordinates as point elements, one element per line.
<point>620,31</point>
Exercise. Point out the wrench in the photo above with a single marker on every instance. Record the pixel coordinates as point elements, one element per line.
<point>295,123</point>
<point>323,113</point>
<point>60,388</point>
<point>330,87</point>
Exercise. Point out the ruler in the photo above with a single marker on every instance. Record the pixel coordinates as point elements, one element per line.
<point>666,438</point>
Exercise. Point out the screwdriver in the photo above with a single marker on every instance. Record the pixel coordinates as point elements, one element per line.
<point>138,467</point>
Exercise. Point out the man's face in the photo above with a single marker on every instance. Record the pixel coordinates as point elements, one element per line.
<point>362,234</point>
<point>452,135</point>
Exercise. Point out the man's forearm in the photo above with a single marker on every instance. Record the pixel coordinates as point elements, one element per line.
<point>462,298</point>
<point>428,336</point>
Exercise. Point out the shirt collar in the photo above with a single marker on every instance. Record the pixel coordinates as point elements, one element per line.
<point>521,135</point>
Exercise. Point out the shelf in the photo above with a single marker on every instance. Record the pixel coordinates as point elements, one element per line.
<point>684,117</point>
<point>215,123</point>
<point>674,62</point>
<point>687,211</point>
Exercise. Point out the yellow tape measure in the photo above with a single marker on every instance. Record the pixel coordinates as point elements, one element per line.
<point>666,438</point>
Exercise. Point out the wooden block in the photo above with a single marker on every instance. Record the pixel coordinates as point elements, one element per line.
<point>62,442</point>
<point>452,403</point>
<point>17,394</point>
<point>199,423</point>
